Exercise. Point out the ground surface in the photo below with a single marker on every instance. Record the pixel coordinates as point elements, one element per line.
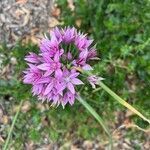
<point>23,19</point>
<point>122,33</point>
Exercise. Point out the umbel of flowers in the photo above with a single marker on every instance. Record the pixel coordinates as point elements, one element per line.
<point>53,72</point>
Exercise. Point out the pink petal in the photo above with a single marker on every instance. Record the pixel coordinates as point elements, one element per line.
<point>56,57</point>
<point>46,56</point>
<point>55,99</point>
<point>58,73</point>
<point>57,33</point>
<point>65,100</point>
<point>48,73</point>
<point>65,72</point>
<point>70,98</point>
<point>93,85</point>
<point>48,88</point>
<point>37,89</point>
<point>32,66</point>
<point>76,81</point>
<point>32,60</point>
<point>60,89</point>
<point>69,56</point>
<point>83,54</point>
<point>89,42</point>
<point>71,88</point>
<point>43,80</point>
<point>44,66</point>
<point>73,75</point>
<point>87,67</point>
<point>49,96</point>
<point>27,81</point>
<point>61,51</point>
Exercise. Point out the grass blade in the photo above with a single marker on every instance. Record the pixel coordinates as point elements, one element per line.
<point>123,102</point>
<point>12,126</point>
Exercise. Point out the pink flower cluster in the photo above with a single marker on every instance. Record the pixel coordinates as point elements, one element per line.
<point>52,73</point>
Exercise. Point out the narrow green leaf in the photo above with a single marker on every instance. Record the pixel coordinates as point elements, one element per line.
<point>122,102</point>
<point>12,126</point>
<point>97,117</point>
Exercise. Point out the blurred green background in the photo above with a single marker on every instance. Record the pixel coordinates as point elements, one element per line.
<point>121,29</point>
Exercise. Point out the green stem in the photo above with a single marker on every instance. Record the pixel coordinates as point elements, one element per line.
<point>97,117</point>
<point>12,126</point>
<point>123,102</point>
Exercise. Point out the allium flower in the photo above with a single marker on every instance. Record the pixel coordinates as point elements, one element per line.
<point>53,72</point>
<point>94,80</point>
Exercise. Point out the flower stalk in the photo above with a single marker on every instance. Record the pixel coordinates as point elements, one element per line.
<point>122,102</point>
<point>97,117</point>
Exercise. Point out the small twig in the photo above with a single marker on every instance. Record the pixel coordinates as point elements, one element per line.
<point>136,126</point>
<point>131,125</point>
